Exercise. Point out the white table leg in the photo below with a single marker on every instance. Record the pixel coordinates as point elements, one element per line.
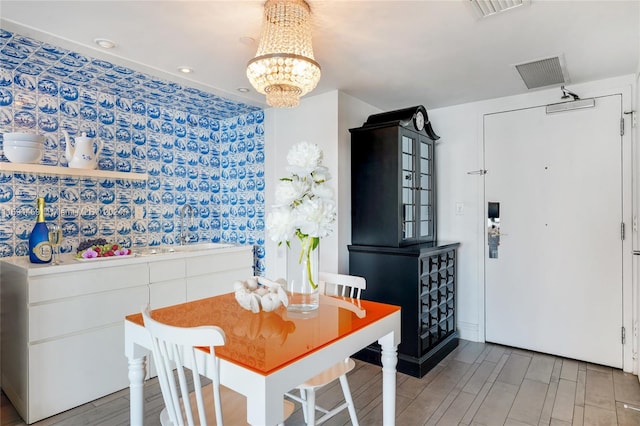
<point>137,373</point>
<point>389,361</point>
<point>264,406</point>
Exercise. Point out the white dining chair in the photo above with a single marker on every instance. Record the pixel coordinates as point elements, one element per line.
<point>331,284</point>
<point>174,348</point>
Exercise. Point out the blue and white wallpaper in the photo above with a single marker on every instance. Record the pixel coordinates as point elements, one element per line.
<point>197,148</point>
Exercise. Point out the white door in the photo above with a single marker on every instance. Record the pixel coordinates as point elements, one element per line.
<point>556,284</point>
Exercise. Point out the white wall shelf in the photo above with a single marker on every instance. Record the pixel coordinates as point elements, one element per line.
<point>66,171</point>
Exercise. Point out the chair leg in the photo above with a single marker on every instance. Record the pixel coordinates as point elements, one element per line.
<point>311,407</point>
<point>347,397</point>
<point>303,397</point>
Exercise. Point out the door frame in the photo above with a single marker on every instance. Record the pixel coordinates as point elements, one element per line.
<point>629,207</point>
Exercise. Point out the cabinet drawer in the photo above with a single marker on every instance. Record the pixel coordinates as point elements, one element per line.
<point>202,265</point>
<point>85,312</point>
<point>57,286</point>
<point>167,293</point>
<point>68,372</point>
<point>203,286</point>
<point>167,270</point>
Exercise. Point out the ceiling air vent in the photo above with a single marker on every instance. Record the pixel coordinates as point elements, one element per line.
<point>541,73</point>
<point>484,8</point>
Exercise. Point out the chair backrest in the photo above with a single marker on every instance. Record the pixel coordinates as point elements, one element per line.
<point>174,349</point>
<point>342,285</point>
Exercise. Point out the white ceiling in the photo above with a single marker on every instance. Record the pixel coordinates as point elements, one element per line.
<point>390,54</point>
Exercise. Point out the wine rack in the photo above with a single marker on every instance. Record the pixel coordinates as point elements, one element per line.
<point>437,298</point>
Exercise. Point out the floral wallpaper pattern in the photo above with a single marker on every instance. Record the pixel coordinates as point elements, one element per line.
<point>197,149</point>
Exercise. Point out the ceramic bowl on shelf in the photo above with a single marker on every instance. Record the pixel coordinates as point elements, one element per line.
<point>22,136</point>
<point>21,154</point>
<point>25,144</point>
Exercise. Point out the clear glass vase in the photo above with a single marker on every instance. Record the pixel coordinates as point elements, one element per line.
<point>303,297</point>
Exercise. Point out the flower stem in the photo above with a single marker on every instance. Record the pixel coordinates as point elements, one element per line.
<point>313,284</point>
<point>307,246</point>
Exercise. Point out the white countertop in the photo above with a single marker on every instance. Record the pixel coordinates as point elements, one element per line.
<point>71,263</point>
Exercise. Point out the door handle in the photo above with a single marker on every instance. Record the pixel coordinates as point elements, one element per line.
<point>496,232</point>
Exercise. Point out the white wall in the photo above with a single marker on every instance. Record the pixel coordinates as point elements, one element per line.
<point>352,113</point>
<point>325,120</point>
<point>314,120</point>
<point>458,152</point>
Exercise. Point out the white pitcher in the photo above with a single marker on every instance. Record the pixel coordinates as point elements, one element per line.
<point>82,156</point>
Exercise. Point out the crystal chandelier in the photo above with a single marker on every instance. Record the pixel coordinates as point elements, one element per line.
<point>284,68</point>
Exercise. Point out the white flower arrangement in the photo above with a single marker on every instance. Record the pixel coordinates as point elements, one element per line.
<point>304,207</point>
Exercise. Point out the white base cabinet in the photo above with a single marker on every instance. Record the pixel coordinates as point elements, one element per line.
<point>62,334</point>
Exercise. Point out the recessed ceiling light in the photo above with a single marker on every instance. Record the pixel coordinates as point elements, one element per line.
<point>185,70</point>
<point>104,43</point>
<point>248,41</point>
<point>242,89</point>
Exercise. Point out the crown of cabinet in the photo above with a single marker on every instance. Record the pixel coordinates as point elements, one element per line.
<point>393,180</point>
<point>413,118</point>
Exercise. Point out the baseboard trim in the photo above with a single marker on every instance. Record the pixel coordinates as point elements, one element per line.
<point>469,331</point>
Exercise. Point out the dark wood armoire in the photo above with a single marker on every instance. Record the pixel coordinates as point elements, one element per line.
<point>394,244</point>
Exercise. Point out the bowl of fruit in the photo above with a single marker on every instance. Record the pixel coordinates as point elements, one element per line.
<point>100,248</point>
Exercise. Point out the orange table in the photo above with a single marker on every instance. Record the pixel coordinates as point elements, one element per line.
<point>269,353</point>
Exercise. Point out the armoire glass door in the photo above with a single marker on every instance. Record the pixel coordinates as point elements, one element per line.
<point>426,189</point>
<point>408,188</point>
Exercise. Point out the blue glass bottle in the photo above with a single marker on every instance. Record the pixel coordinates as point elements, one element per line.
<point>39,247</point>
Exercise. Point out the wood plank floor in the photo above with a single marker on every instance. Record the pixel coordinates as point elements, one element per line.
<point>477,384</point>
